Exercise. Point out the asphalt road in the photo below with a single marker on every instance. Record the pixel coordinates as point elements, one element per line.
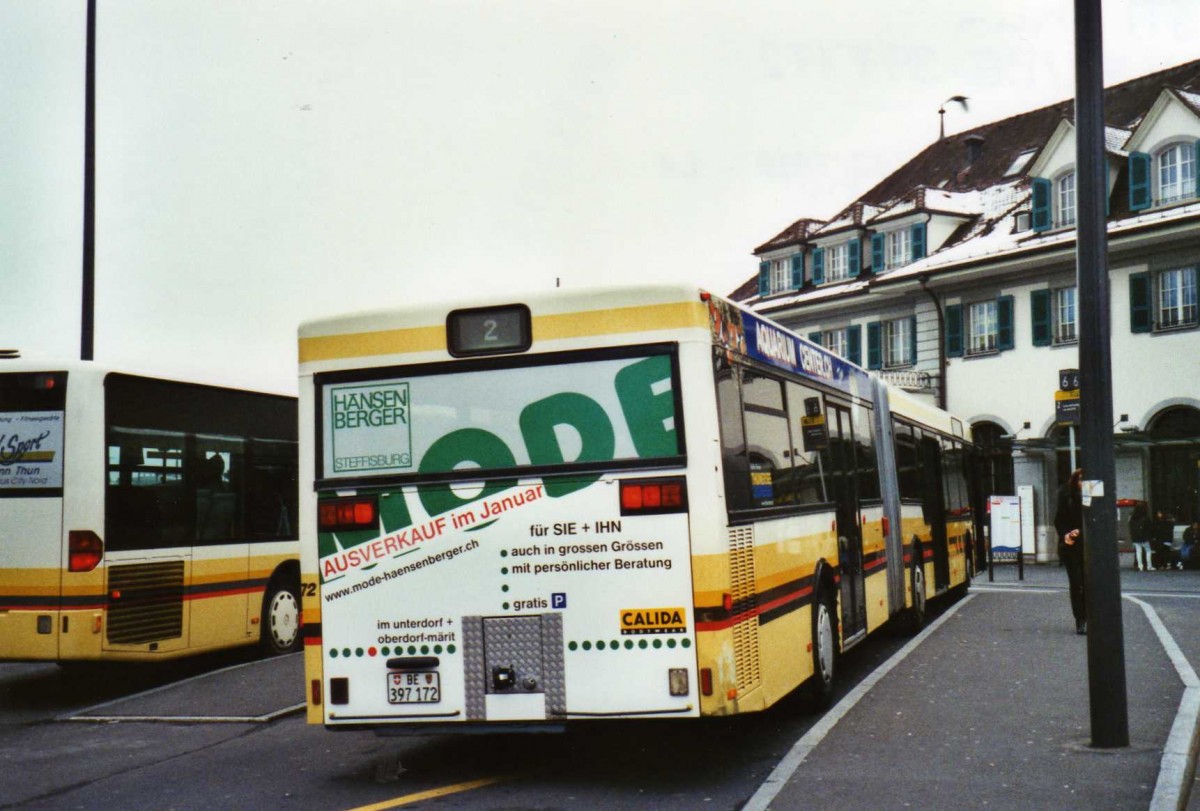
<point>176,738</point>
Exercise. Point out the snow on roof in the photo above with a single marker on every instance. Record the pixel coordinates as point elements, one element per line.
<point>1115,139</point>
<point>1192,100</point>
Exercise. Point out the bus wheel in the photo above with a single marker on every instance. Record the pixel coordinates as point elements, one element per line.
<point>824,652</point>
<point>281,618</point>
<point>916,613</point>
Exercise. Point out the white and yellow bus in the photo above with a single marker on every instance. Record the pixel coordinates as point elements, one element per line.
<point>628,503</point>
<point>143,519</point>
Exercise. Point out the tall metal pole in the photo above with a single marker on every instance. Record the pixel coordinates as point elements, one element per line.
<point>87,317</point>
<point>1106,641</point>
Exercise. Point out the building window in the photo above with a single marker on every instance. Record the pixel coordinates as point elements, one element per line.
<point>1176,298</point>
<point>983,326</point>
<point>1064,200</point>
<point>898,343</point>
<point>899,248</point>
<point>835,341</point>
<point>1176,173</point>
<point>1064,316</point>
<point>781,275</point>
<point>837,266</point>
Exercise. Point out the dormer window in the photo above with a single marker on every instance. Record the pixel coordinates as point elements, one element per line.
<point>1176,173</point>
<point>898,247</point>
<point>836,263</point>
<point>836,266</point>
<point>1166,177</point>
<point>1053,204</point>
<point>780,275</point>
<point>1064,200</point>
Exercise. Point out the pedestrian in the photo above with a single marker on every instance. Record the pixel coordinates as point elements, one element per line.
<point>1189,555</point>
<point>1140,532</point>
<point>1068,523</point>
<point>1163,540</point>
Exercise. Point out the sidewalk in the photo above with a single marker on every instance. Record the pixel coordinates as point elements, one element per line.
<point>990,709</point>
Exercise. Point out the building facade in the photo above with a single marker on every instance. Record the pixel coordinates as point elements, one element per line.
<point>954,278</point>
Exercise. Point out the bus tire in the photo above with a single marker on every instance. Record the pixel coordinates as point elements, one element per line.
<point>916,612</point>
<point>281,616</point>
<point>824,650</point>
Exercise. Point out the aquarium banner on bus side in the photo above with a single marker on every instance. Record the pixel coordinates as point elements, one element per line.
<point>770,344</point>
<point>31,450</point>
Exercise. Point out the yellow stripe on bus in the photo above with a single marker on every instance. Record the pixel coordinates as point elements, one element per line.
<point>545,328</point>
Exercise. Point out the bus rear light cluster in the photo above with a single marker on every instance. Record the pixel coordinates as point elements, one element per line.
<point>84,550</point>
<point>653,496</point>
<point>344,514</point>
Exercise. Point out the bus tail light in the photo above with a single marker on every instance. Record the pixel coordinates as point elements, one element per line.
<point>706,681</point>
<point>84,550</point>
<point>653,496</point>
<point>343,514</point>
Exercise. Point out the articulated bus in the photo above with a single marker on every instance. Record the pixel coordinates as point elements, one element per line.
<point>629,503</point>
<point>143,519</point>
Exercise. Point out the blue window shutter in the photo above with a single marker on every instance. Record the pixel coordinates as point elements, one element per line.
<point>1041,204</point>
<point>1141,314</point>
<point>874,345</point>
<point>1039,308</point>
<point>854,257</point>
<point>854,344</point>
<point>815,337</point>
<point>764,278</point>
<point>819,266</point>
<point>954,330</point>
<point>918,241</point>
<point>912,339</point>
<point>1004,323</point>
<point>1139,181</point>
<point>797,271</point>
<point>877,259</point>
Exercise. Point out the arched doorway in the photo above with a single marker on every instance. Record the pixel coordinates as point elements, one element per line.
<point>1175,463</point>
<point>996,468</point>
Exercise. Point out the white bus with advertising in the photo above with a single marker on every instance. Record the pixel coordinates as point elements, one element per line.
<point>629,503</point>
<point>143,519</point>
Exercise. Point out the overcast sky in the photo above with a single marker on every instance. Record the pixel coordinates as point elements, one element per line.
<point>265,162</point>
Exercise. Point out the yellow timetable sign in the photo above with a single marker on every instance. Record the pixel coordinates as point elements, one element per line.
<point>653,620</point>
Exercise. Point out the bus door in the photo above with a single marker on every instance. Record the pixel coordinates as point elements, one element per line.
<point>933,505</point>
<point>845,494</point>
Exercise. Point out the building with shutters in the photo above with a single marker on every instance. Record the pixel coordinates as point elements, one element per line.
<point>954,277</point>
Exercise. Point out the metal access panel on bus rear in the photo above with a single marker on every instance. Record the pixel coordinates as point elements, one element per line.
<point>512,665</point>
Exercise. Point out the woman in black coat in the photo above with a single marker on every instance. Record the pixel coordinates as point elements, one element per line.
<point>1068,523</point>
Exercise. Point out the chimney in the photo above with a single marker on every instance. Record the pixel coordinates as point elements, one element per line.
<point>974,147</point>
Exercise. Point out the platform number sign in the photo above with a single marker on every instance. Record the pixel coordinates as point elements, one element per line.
<point>489,330</point>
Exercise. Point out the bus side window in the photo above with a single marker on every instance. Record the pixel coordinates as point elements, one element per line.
<point>908,465</point>
<point>768,441</point>
<point>865,459</point>
<point>808,469</point>
<point>931,478</point>
<point>271,494</point>
<point>733,438</point>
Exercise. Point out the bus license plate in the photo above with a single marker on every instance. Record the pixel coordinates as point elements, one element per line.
<point>417,687</point>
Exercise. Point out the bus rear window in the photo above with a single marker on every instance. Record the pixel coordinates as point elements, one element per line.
<point>593,410</point>
<point>32,408</point>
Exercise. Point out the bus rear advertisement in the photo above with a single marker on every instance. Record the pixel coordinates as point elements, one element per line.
<point>630,503</point>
